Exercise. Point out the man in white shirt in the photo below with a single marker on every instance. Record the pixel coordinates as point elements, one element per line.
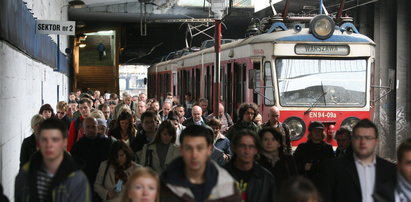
<point>362,176</point>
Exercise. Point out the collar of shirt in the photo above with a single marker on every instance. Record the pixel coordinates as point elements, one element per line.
<point>198,122</point>
<point>358,161</point>
<point>219,136</point>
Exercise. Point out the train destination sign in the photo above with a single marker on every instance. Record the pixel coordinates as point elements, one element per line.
<point>317,49</point>
<point>55,27</point>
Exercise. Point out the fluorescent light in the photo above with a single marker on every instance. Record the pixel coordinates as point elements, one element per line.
<point>110,32</point>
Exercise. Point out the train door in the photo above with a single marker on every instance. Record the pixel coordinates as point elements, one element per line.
<point>240,79</point>
<point>268,90</point>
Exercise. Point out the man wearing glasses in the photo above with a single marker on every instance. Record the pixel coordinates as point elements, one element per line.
<point>361,176</point>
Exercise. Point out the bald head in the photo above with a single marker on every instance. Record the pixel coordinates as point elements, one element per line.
<point>197,112</point>
<point>220,109</point>
<point>166,108</point>
<point>274,114</point>
<point>90,127</point>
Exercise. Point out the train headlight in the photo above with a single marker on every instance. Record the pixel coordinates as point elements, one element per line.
<point>296,126</point>
<point>322,27</point>
<point>350,122</point>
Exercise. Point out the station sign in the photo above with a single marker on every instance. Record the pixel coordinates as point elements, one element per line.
<point>321,49</point>
<point>55,27</point>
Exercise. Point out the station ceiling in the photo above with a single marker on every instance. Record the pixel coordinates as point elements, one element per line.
<point>167,21</point>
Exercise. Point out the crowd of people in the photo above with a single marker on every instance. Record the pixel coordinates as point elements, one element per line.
<point>100,148</point>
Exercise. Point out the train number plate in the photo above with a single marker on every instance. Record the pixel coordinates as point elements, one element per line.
<point>330,115</point>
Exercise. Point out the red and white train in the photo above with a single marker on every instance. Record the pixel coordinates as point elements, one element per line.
<point>319,73</point>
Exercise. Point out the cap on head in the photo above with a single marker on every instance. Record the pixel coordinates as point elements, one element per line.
<point>101,122</point>
<point>315,125</point>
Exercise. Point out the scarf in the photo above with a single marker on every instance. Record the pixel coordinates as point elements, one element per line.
<point>403,188</point>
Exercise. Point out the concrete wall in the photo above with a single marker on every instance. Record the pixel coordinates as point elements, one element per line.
<point>25,84</point>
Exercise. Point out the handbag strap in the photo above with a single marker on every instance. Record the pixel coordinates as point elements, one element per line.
<point>149,158</point>
<point>105,172</point>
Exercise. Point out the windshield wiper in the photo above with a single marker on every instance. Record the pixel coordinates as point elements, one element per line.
<point>318,99</point>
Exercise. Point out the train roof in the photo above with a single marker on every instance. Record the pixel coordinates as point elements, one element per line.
<point>287,36</point>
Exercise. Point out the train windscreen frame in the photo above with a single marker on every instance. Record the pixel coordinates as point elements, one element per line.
<point>322,82</point>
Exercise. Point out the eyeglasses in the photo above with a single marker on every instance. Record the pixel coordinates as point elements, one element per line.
<point>60,112</point>
<point>367,138</point>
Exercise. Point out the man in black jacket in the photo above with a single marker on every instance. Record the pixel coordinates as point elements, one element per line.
<point>254,182</point>
<point>196,119</point>
<point>311,154</point>
<point>91,149</point>
<point>51,174</point>
<point>362,176</point>
<point>343,138</point>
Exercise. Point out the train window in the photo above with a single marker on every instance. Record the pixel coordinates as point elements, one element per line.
<point>322,82</point>
<point>210,98</point>
<point>174,83</point>
<point>222,80</point>
<point>167,84</point>
<point>192,87</point>
<point>207,82</point>
<point>229,86</point>
<point>269,85</point>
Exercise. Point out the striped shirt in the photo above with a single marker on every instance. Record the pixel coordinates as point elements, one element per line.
<point>43,184</point>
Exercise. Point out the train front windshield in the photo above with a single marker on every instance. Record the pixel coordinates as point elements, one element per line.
<point>322,82</point>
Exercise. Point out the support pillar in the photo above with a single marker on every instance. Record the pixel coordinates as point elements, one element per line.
<point>403,88</point>
<point>386,64</point>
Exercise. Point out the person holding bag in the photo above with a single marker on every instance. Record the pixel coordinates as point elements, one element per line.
<point>114,173</point>
<point>162,151</point>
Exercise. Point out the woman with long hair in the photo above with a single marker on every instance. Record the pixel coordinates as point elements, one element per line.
<point>162,150</point>
<point>273,158</point>
<point>29,146</point>
<point>143,185</point>
<point>124,129</point>
<point>114,172</point>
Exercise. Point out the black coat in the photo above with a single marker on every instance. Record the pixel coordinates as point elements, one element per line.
<point>340,181</point>
<point>283,169</point>
<point>89,153</point>
<point>310,152</point>
<point>340,153</point>
<point>261,187</point>
<point>190,122</point>
<point>28,148</point>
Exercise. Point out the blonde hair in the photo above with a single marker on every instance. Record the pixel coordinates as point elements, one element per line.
<point>141,172</point>
<point>121,108</point>
<point>62,106</point>
<point>36,119</point>
<point>97,114</point>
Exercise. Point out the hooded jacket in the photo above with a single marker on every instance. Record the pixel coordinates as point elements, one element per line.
<point>69,183</point>
<point>219,185</point>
